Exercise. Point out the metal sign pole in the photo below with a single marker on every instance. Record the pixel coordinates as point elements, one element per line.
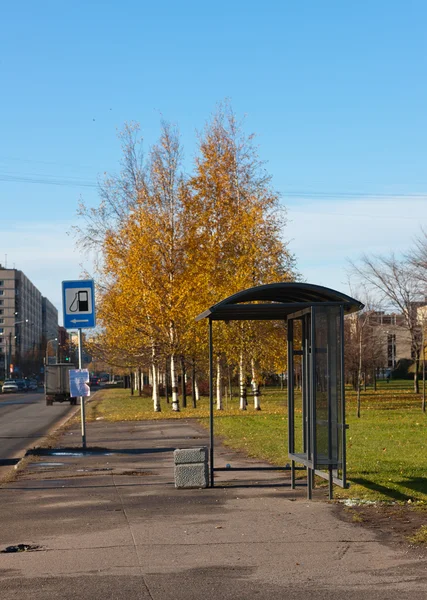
<point>82,400</point>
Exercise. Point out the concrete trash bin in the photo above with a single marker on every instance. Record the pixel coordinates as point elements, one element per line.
<point>191,467</point>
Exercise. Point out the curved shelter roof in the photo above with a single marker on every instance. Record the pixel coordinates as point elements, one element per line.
<point>275,301</point>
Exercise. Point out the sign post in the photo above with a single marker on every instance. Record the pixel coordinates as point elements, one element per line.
<point>82,398</point>
<point>79,378</point>
<point>78,300</point>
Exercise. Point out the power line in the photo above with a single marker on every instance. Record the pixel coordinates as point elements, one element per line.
<point>64,182</point>
<point>308,213</point>
<point>76,178</point>
<point>73,181</point>
<point>44,162</point>
<point>367,195</point>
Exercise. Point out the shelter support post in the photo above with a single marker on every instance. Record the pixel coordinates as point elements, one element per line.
<point>211,413</point>
<point>292,475</point>
<point>331,483</point>
<point>291,442</point>
<point>309,484</point>
<point>290,348</point>
<point>344,425</point>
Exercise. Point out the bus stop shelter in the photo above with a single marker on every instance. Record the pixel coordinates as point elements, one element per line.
<point>315,337</point>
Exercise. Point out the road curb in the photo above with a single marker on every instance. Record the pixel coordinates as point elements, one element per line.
<point>53,429</point>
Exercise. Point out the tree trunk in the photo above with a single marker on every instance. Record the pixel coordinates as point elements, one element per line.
<point>359,376</point>
<point>196,389</point>
<point>155,395</point>
<point>193,383</point>
<point>416,380</point>
<point>230,385</point>
<point>183,383</point>
<point>364,381</point>
<point>242,384</point>
<point>174,385</point>
<point>139,382</point>
<point>424,380</point>
<point>219,405</point>
<point>132,391</point>
<point>255,386</point>
<point>374,375</point>
<point>166,383</point>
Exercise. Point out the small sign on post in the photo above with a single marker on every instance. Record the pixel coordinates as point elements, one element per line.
<point>79,379</point>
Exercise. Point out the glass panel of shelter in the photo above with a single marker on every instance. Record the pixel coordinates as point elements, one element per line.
<point>320,442</point>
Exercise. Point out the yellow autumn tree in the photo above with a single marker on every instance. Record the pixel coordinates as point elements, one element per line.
<point>236,231</point>
<point>171,247</point>
<point>150,269</point>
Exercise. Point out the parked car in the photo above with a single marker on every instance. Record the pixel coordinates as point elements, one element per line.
<point>9,386</point>
<point>31,384</point>
<point>22,386</point>
<point>94,381</point>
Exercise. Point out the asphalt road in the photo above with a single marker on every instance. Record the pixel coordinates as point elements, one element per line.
<point>24,418</point>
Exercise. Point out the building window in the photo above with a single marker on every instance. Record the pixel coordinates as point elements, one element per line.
<point>1,282</point>
<point>1,302</point>
<point>1,320</point>
<point>1,292</point>
<point>1,330</point>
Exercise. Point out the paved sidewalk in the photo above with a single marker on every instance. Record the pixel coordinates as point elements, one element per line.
<point>113,526</point>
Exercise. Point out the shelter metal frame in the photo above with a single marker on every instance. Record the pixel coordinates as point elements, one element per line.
<point>321,313</point>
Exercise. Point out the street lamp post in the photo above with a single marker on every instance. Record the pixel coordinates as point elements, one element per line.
<point>47,349</point>
<point>8,350</point>
<point>5,354</point>
<point>17,353</point>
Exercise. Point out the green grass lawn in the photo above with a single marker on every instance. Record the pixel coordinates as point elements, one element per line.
<point>386,447</point>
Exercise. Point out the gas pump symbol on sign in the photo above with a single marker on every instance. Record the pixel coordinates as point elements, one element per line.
<point>80,302</point>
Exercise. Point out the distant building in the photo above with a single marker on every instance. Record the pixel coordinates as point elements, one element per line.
<point>395,336</point>
<point>422,317</point>
<point>49,320</point>
<point>25,318</point>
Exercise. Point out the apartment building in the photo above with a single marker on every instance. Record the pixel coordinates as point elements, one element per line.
<point>25,317</point>
<point>49,320</point>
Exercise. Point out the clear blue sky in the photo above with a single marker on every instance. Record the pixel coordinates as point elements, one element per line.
<point>336,92</point>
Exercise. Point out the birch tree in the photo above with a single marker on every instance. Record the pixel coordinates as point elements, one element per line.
<point>417,258</point>
<point>156,263</point>
<point>396,284</point>
<point>169,247</point>
<point>237,224</point>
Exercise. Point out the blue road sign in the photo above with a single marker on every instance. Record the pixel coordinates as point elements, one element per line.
<point>78,302</point>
